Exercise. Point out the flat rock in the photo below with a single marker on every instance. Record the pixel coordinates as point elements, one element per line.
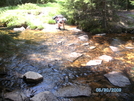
<point>106,58</point>
<point>94,62</point>
<point>73,56</point>
<point>129,47</point>
<point>92,47</point>
<point>19,29</point>
<point>73,91</point>
<point>117,79</point>
<point>74,29</point>
<point>85,44</point>
<point>44,96</point>
<point>114,49</point>
<point>102,34</point>
<point>16,95</point>
<point>83,38</point>
<point>31,77</point>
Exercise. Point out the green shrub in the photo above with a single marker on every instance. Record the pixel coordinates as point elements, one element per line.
<point>28,6</point>
<point>27,14</point>
<point>12,18</point>
<point>40,27</point>
<point>51,21</point>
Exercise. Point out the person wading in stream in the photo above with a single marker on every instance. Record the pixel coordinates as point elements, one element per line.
<point>60,20</point>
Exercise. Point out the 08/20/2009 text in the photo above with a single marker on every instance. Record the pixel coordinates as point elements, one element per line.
<point>108,89</point>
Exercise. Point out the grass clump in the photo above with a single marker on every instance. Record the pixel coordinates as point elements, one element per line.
<point>28,6</point>
<point>32,15</point>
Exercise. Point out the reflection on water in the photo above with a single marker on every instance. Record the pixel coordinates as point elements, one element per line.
<point>50,54</point>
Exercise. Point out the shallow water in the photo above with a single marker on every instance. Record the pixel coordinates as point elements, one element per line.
<point>50,54</point>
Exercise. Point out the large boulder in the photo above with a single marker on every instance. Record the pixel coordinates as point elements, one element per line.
<point>73,91</point>
<point>44,96</point>
<point>117,79</point>
<point>32,77</point>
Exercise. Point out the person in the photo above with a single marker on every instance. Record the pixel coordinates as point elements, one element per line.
<point>60,20</point>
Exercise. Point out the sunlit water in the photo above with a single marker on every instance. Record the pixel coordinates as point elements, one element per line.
<point>50,54</point>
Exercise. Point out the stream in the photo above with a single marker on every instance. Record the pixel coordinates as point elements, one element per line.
<point>61,57</point>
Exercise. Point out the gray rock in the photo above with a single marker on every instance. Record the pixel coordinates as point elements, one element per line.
<point>44,96</point>
<point>117,79</point>
<point>73,56</point>
<point>92,47</point>
<point>16,95</point>
<point>85,44</point>
<point>106,58</point>
<point>114,49</point>
<point>83,38</point>
<point>73,91</point>
<point>94,62</point>
<point>102,34</point>
<point>19,29</point>
<point>129,47</point>
<point>32,77</point>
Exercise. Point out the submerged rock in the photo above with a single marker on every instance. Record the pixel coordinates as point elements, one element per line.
<point>44,96</point>
<point>16,95</point>
<point>73,91</point>
<point>117,79</point>
<point>32,77</point>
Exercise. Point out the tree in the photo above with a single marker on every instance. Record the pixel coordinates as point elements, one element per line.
<point>92,15</point>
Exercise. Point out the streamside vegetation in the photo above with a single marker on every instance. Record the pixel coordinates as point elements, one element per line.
<point>29,15</point>
<point>89,15</point>
<point>94,16</point>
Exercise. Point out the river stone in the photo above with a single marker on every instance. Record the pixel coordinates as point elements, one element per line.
<point>117,79</point>
<point>114,49</point>
<point>94,62</point>
<point>106,58</point>
<point>83,38</point>
<point>16,95</point>
<point>32,77</point>
<point>73,56</point>
<point>19,29</point>
<point>73,91</point>
<point>92,47</point>
<point>44,96</point>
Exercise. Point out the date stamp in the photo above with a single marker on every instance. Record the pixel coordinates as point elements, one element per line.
<point>108,90</point>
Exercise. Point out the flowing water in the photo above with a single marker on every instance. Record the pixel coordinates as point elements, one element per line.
<point>61,57</point>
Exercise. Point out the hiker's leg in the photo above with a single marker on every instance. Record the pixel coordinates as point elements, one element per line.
<point>63,24</point>
<point>59,25</point>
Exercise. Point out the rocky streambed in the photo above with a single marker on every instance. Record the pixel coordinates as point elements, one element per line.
<point>71,65</point>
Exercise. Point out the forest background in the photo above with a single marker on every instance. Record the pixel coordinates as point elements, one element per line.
<point>93,16</point>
